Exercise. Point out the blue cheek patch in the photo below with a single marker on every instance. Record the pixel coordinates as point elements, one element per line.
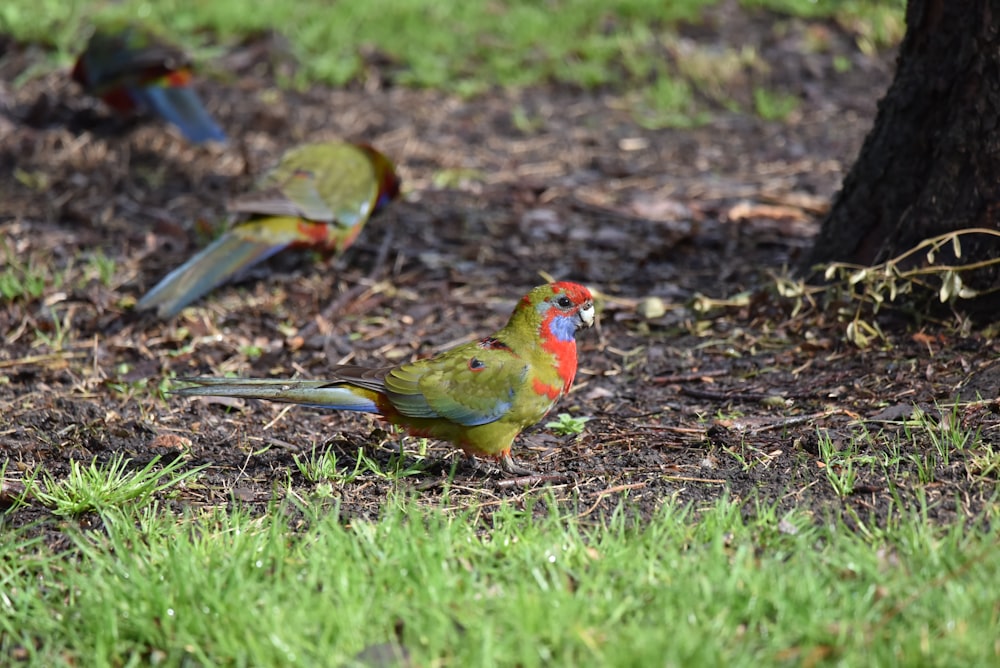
<point>563,327</point>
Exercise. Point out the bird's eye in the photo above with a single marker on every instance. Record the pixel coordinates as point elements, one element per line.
<point>564,302</point>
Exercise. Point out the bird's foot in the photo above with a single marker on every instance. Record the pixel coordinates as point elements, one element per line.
<point>508,465</point>
<point>505,462</point>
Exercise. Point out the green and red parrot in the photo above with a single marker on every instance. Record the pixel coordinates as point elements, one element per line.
<point>478,396</point>
<point>319,195</point>
<point>134,72</point>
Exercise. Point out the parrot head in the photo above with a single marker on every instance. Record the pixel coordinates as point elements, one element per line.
<point>550,314</point>
<point>569,306</point>
<point>556,310</point>
<point>388,181</point>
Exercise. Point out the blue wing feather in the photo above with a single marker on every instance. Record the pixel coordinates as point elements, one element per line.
<point>183,108</point>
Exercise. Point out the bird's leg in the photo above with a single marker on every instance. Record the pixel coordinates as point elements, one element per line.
<point>507,465</point>
<point>504,461</point>
<point>472,463</point>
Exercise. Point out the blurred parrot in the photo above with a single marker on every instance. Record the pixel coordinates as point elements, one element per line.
<point>318,195</point>
<point>478,396</point>
<point>132,71</point>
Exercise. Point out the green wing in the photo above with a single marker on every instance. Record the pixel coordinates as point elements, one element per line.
<point>327,182</point>
<point>467,385</point>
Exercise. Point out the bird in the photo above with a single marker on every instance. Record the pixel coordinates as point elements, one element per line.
<point>319,195</point>
<point>132,70</point>
<point>478,396</point>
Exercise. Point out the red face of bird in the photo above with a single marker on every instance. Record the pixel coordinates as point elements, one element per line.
<point>562,308</point>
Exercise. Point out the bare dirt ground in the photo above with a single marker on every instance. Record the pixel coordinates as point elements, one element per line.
<point>687,406</point>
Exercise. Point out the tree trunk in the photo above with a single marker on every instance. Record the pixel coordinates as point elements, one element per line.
<point>931,164</point>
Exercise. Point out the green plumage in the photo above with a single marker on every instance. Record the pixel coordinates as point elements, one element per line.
<point>478,396</point>
<point>319,195</point>
<point>328,182</point>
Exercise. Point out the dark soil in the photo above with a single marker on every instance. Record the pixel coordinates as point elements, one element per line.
<point>688,405</point>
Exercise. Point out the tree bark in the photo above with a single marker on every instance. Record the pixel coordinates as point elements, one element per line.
<point>931,164</point>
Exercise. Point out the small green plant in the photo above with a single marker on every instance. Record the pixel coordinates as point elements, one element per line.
<point>984,462</point>
<point>947,433</point>
<point>838,465</point>
<point>891,459</point>
<point>772,106</point>
<point>567,425</point>
<point>748,456</point>
<point>17,285</point>
<point>22,280</point>
<point>925,464</point>
<point>859,292</point>
<point>129,389</point>
<point>321,466</point>
<point>524,121</point>
<point>56,339</point>
<point>100,266</point>
<point>17,492</point>
<point>669,103</point>
<point>252,351</point>
<point>399,466</point>
<point>101,488</point>
<point>746,463</point>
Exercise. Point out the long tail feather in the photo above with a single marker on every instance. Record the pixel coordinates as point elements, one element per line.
<point>217,262</point>
<point>318,393</point>
<point>182,107</point>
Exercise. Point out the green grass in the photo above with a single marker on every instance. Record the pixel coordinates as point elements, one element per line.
<point>691,587</point>
<point>461,46</point>
<point>24,280</point>
<point>906,456</point>
<point>103,488</point>
<point>773,106</point>
<point>100,267</point>
<point>321,466</point>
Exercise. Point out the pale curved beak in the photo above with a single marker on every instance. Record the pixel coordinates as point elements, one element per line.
<point>586,314</point>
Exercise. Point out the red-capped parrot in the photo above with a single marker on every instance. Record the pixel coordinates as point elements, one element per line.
<point>319,195</point>
<point>133,71</point>
<point>478,396</point>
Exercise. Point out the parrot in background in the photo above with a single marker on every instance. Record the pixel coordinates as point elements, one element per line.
<point>478,396</point>
<point>132,71</point>
<point>318,195</point>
